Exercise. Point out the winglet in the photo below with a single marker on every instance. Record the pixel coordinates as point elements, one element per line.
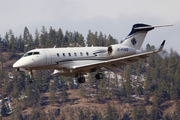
<point>162,45</point>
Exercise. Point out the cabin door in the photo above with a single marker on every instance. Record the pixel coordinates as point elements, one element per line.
<point>48,57</point>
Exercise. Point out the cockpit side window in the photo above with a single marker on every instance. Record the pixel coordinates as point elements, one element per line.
<point>31,53</point>
<point>28,54</point>
<point>35,53</point>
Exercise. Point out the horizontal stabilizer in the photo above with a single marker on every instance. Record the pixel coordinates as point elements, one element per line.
<point>146,27</point>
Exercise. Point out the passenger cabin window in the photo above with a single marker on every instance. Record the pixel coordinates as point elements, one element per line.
<point>87,53</point>
<point>75,54</point>
<point>81,53</point>
<point>69,54</point>
<point>58,54</point>
<point>64,54</point>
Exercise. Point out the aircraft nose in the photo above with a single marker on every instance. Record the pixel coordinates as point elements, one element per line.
<point>16,64</point>
<point>23,63</point>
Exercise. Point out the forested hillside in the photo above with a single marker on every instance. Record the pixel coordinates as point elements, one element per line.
<point>148,89</point>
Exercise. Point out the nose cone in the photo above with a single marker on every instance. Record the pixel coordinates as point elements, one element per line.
<point>21,63</point>
<point>16,64</point>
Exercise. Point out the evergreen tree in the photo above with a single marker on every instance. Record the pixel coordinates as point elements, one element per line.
<point>97,115</point>
<point>79,39</point>
<point>139,90</point>
<point>43,37</point>
<point>101,39</point>
<point>139,112</point>
<point>51,37</point>
<point>172,64</point>
<point>88,115</point>
<point>92,39</point>
<point>102,90</point>
<point>59,38</point>
<point>26,35</point>
<point>30,43</point>
<point>43,116</point>
<point>66,39</point>
<point>110,40</point>
<point>81,115</point>
<point>51,93</point>
<point>111,113</point>
<point>6,42</point>
<point>37,39</point>
<point>20,45</point>
<point>64,95</point>
<point>155,113</point>
<point>17,115</point>
<point>51,115</point>
<point>63,116</point>
<point>173,93</point>
<point>35,115</point>
<point>71,114</point>
<point>128,88</point>
<point>177,80</point>
<point>3,108</point>
<point>12,44</point>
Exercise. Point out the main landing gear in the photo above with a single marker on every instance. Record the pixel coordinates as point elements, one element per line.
<point>99,76</point>
<point>81,80</point>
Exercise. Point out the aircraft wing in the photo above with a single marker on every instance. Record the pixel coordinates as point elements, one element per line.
<point>112,64</point>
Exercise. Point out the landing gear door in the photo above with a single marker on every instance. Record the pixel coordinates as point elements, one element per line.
<point>48,57</point>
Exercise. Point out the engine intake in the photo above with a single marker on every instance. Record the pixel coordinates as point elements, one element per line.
<point>110,50</point>
<point>119,51</point>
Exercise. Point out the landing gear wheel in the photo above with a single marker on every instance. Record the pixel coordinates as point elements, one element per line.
<point>81,80</point>
<point>99,76</point>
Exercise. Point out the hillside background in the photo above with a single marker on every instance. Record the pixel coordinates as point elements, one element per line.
<point>148,89</point>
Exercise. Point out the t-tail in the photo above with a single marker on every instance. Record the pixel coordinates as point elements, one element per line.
<point>137,35</point>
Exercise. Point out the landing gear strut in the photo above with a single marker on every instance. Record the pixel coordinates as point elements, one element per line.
<point>31,79</point>
<point>99,76</point>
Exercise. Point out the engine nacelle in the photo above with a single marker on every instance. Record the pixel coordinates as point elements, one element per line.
<point>138,51</point>
<point>120,51</point>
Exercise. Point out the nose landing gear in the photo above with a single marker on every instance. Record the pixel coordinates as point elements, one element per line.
<point>31,79</point>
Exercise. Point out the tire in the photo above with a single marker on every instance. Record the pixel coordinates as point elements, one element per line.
<point>81,80</point>
<point>99,76</point>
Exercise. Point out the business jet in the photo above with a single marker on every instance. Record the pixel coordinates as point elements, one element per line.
<point>78,61</point>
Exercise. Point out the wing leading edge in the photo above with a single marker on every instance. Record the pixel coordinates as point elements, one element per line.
<point>114,63</point>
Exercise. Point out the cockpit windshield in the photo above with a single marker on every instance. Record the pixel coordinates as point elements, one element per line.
<point>31,53</point>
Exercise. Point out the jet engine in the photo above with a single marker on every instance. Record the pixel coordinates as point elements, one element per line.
<point>120,51</point>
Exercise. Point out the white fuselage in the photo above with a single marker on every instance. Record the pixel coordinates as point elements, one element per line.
<point>59,58</point>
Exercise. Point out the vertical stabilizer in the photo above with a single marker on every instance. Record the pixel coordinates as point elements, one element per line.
<point>137,35</point>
